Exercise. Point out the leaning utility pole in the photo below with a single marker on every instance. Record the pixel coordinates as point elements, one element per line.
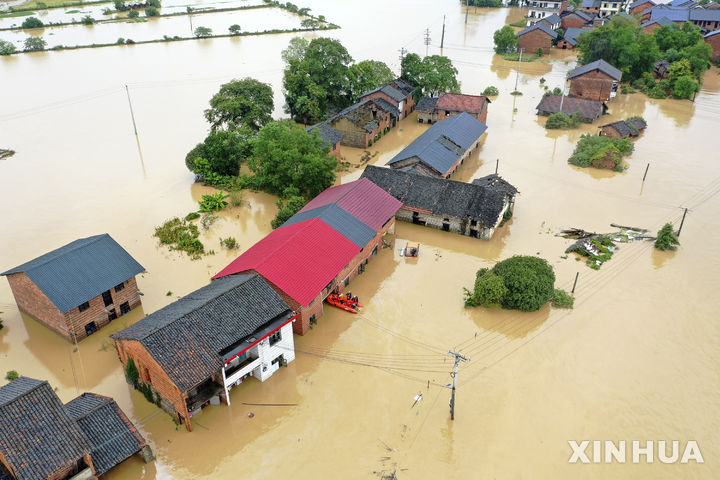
<point>467,9</point>
<point>132,115</point>
<point>458,358</point>
<point>442,37</point>
<point>517,77</point>
<point>427,41</point>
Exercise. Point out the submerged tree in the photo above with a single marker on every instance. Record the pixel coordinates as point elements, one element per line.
<point>33,44</point>
<point>431,75</point>
<point>368,75</point>
<point>245,103</point>
<point>666,238</point>
<point>505,40</point>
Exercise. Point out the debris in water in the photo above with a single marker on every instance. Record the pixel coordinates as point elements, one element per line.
<point>599,247</point>
<point>417,399</point>
<point>6,153</point>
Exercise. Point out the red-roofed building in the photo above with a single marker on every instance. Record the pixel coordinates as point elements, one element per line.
<point>449,104</point>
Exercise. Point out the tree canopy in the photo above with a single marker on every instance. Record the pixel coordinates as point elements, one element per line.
<point>505,40</point>
<point>32,22</point>
<point>431,75</point>
<point>368,75</point>
<point>223,150</point>
<point>287,161</point>
<point>666,239</point>
<point>34,44</point>
<point>245,103</point>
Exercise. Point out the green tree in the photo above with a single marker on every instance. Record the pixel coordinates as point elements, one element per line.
<point>489,290</point>
<point>245,103</point>
<point>224,151</point>
<point>34,44</point>
<point>505,40</point>
<point>153,3</point>
<point>368,75</point>
<point>310,23</point>
<point>203,32</point>
<point>235,29</point>
<point>120,5</point>
<point>6,48</point>
<point>676,36</point>
<point>87,20</point>
<point>131,372</point>
<point>152,12</point>
<point>529,281</point>
<point>432,75</point>
<point>621,43</point>
<point>286,209</point>
<point>288,161</point>
<point>32,22</point>
<point>666,239</point>
<point>315,79</point>
<point>133,14</point>
<point>684,87</point>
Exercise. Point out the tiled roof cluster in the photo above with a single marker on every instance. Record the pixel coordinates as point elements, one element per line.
<point>328,134</point>
<point>538,26</point>
<point>588,110</point>
<point>601,65</point>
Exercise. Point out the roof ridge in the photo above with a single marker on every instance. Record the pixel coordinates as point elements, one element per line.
<point>106,401</point>
<point>42,382</point>
<point>94,238</point>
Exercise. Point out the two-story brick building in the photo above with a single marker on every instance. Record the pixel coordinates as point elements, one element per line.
<point>42,439</point>
<point>536,37</point>
<point>435,109</point>
<point>194,351</point>
<point>363,122</point>
<point>78,288</point>
<point>397,93</point>
<point>597,80</point>
<point>576,19</point>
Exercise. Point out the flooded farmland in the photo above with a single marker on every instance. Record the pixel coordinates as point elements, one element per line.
<point>635,359</point>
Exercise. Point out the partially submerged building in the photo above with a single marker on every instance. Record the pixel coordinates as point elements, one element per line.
<point>192,352</point>
<point>539,9</point>
<point>537,37</point>
<point>441,149</point>
<point>473,209</point>
<point>78,288</point>
<point>322,248</point>
<point>40,438</point>
<point>576,19</point>
<point>587,110</point>
<point>362,123</point>
<point>435,109</point>
<point>330,136</point>
<point>571,38</point>
<point>597,80</point>
<point>397,93</point>
<point>632,127</point>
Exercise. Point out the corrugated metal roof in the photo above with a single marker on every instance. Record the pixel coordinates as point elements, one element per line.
<point>339,219</point>
<point>300,259</point>
<point>73,274</point>
<point>431,149</point>
<point>601,65</point>
<point>362,199</point>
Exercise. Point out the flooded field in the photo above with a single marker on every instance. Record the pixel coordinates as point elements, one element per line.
<point>635,359</point>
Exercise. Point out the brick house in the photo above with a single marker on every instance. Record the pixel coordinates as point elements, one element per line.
<point>553,22</point>
<point>713,39</point>
<point>40,438</point>
<point>322,248</point>
<point>78,288</point>
<point>536,37</point>
<point>576,19</point>
<point>193,351</point>
<point>397,93</point>
<point>597,80</point>
<point>472,209</point>
<point>650,26</point>
<point>591,6</point>
<point>571,38</point>
<point>706,19</point>
<point>587,110</point>
<point>539,9</point>
<point>442,148</point>
<point>329,136</point>
<point>641,8</point>
<point>362,123</point>
<point>435,109</point>
<point>631,127</point>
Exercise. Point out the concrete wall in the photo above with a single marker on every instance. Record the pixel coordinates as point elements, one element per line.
<point>267,353</point>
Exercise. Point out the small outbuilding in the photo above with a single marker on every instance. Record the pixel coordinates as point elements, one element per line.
<point>436,109</point>
<point>79,288</point>
<point>571,38</point>
<point>536,37</point>
<point>576,19</point>
<point>597,80</point>
<point>588,110</point>
<point>631,127</point>
<point>328,135</point>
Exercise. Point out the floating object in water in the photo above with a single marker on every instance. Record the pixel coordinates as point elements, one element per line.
<point>412,249</point>
<point>343,303</point>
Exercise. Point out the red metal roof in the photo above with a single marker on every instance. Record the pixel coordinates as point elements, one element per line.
<point>301,259</point>
<point>362,199</point>
<point>457,102</point>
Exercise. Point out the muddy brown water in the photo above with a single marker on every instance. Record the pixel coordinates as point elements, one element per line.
<point>635,360</point>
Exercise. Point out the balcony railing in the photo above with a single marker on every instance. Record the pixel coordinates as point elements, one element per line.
<point>235,373</point>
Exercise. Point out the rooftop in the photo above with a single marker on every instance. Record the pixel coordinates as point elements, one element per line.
<point>73,274</point>
<point>587,109</point>
<point>572,34</point>
<point>538,26</point>
<point>328,134</point>
<point>458,102</point>
<point>339,219</point>
<point>601,65</point>
<point>426,104</point>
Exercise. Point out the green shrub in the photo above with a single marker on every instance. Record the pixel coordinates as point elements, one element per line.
<point>120,41</point>
<point>180,235</point>
<point>34,44</point>
<point>154,3</point>
<point>120,5</point>
<point>87,20</point>
<point>287,208</point>
<point>6,48</point>
<point>491,91</point>
<point>562,299</point>
<point>230,243</point>
<point>12,375</point>
<point>236,198</point>
<point>131,372</point>
<point>234,29</point>
<point>489,290</point>
<point>595,151</point>
<point>192,216</point>
<point>561,121</point>
<point>32,22</point>
<point>133,14</point>
<point>203,32</point>
<point>529,280</point>
<point>152,12</point>
<point>666,239</point>
<point>214,202</point>
<point>657,92</point>
<point>539,52</point>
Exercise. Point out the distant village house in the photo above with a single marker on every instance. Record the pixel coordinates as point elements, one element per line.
<point>539,9</point>
<point>576,19</point>
<point>362,123</point>
<point>536,37</point>
<point>329,136</point>
<point>631,127</point>
<point>597,80</point>
<point>398,93</point>
<point>435,109</point>
<point>79,288</point>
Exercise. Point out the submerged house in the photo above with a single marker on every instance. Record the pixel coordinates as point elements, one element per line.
<point>571,38</point>
<point>362,123</point>
<point>632,127</point>
<point>537,37</point>
<point>40,438</point>
<point>473,209</point>
<point>441,149</point>
<point>78,288</point>
<point>192,352</point>
<point>321,248</point>
<point>435,109</point>
<point>397,93</point>
<point>328,135</point>
<point>587,110</point>
<point>597,80</point>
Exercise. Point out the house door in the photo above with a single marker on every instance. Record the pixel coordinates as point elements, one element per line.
<point>107,298</point>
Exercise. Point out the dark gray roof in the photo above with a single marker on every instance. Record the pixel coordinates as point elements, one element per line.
<point>589,110</point>
<point>572,34</point>
<point>553,19</point>
<point>387,106</point>
<point>328,134</point>
<point>37,435</point>
<point>622,128</point>
<point>441,145</point>
<point>625,15</point>
<point>681,14</point>
<point>338,218</point>
<point>662,21</point>
<point>398,90</point>
<point>582,14</point>
<point>426,104</point>
<point>442,197</point>
<point>497,183</point>
<point>591,3</point>
<point>703,15</point>
<point>113,437</point>
<point>601,65</point>
<point>403,86</point>
<point>354,114</point>
<point>641,2</point>
<point>79,271</point>
<point>187,336</point>
<point>537,26</point>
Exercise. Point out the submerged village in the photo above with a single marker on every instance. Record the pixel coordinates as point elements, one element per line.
<point>357,257</point>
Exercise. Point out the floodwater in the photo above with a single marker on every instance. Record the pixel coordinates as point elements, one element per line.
<point>635,359</point>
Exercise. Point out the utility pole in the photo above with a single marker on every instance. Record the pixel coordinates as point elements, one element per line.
<point>497,164</point>
<point>467,9</point>
<point>562,99</point>
<point>132,115</point>
<point>577,274</point>
<point>517,77</point>
<point>442,37</point>
<point>427,41</point>
<point>403,51</point>
<point>646,170</point>
<point>682,222</point>
<point>458,358</point>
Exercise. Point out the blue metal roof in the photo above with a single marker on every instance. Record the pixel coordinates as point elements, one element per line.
<point>434,147</point>
<point>340,220</point>
<point>79,271</point>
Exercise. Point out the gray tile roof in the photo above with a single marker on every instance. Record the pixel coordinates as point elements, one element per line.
<point>339,219</point>
<point>538,26</point>
<point>398,90</point>
<point>641,2</point>
<point>588,110</point>
<point>328,134</point>
<point>37,435</point>
<point>387,106</point>
<point>591,3</point>
<point>572,34</point>
<point>553,19</point>
<point>403,86</point>
<point>426,104</point>
<point>497,183</point>
<point>702,15</point>
<point>112,435</point>
<point>582,14</point>
<point>601,65</point>
<point>187,336</point>
<point>71,275</point>
<point>622,128</point>
<point>662,21</point>
<point>442,197</point>
<point>680,14</point>
<point>443,143</point>
<point>625,15</point>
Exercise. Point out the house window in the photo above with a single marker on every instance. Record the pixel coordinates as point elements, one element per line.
<point>275,338</point>
<point>473,223</point>
<point>124,308</point>
<point>112,315</point>
<point>90,328</point>
<point>107,298</point>
<point>279,360</point>
<point>119,286</point>
<point>84,306</point>
<point>313,319</point>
